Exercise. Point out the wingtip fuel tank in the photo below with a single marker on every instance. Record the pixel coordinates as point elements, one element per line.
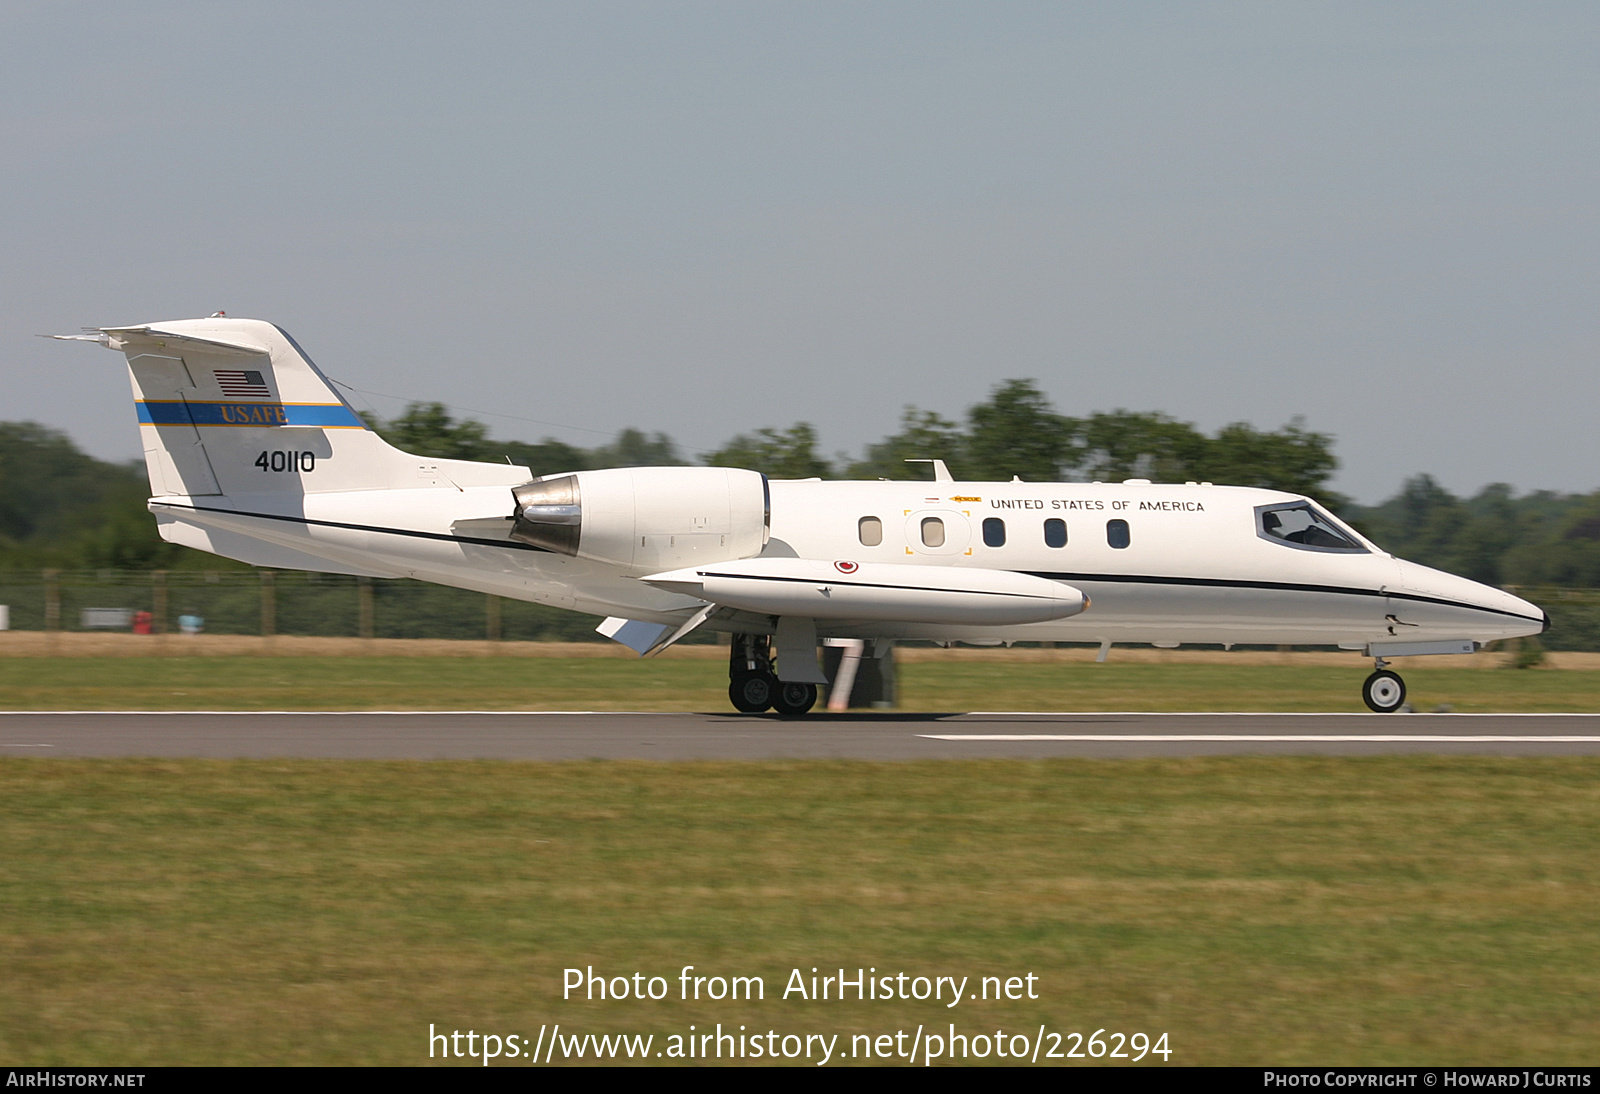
<point>876,591</point>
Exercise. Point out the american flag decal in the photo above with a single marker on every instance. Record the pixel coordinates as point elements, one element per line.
<point>238,382</point>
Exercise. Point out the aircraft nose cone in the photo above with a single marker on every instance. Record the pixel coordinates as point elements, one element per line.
<point>1464,608</point>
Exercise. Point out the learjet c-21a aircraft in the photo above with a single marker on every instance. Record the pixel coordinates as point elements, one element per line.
<point>254,455</point>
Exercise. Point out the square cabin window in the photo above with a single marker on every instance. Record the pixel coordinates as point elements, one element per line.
<point>1117,534</point>
<point>869,530</point>
<point>994,532</point>
<point>1055,532</point>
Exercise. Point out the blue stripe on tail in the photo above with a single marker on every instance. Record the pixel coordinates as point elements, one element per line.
<point>322,415</point>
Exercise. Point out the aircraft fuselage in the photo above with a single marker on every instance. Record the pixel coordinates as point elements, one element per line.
<point>1193,565</point>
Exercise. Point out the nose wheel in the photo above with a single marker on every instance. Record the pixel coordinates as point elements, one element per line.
<point>1384,692</point>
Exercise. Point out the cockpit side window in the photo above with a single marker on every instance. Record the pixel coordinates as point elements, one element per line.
<point>1301,524</point>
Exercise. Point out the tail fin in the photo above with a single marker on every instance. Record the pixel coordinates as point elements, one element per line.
<point>234,407</point>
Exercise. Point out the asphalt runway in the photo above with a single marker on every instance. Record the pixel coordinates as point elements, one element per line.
<point>863,736</point>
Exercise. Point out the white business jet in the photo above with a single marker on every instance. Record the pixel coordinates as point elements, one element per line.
<point>252,454</point>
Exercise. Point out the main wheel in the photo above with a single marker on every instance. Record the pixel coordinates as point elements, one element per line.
<point>752,693</point>
<point>793,700</point>
<point>1383,692</point>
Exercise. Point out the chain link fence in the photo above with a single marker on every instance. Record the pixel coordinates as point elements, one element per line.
<point>295,602</point>
<point>270,602</point>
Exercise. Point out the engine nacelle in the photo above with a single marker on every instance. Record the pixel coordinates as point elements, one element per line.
<point>646,519</point>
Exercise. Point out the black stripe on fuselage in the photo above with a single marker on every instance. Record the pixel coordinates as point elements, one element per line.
<point>1123,579</point>
<point>1274,586</point>
<point>510,544</point>
<point>871,585</point>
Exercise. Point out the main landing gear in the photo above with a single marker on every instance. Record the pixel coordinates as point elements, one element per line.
<point>752,685</point>
<point>1383,692</point>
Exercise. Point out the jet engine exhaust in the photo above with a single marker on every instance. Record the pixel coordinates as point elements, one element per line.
<point>549,514</point>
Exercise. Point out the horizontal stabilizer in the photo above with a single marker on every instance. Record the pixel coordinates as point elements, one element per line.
<point>152,336</point>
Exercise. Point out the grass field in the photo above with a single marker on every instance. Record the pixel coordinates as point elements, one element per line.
<point>1258,910</point>
<point>586,683</point>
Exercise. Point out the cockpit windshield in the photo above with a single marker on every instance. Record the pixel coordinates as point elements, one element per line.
<point>1301,524</point>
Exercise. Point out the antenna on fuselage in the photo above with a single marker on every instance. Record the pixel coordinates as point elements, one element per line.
<point>941,473</point>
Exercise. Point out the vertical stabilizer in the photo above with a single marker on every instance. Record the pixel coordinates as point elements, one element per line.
<point>232,408</point>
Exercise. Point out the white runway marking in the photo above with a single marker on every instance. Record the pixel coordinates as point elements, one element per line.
<point>863,714</point>
<point>1272,738</point>
<point>1271,714</point>
<point>338,713</point>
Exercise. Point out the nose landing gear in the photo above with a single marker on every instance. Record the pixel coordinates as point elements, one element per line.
<point>1383,692</point>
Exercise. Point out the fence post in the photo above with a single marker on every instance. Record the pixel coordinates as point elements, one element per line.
<point>364,599</point>
<point>269,604</point>
<point>491,617</point>
<point>158,602</point>
<point>52,600</point>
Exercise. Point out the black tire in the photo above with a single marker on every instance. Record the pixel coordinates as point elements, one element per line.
<point>1383,692</point>
<point>752,693</point>
<point>793,700</point>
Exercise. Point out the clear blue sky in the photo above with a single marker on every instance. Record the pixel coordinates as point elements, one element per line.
<point>704,218</point>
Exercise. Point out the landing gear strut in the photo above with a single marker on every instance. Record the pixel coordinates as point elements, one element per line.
<point>1383,691</point>
<point>752,685</point>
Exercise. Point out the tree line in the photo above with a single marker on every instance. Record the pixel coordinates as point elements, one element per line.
<point>1015,432</point>
<point>62,508</point>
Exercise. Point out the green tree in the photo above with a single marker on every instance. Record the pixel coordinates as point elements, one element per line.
<point>791,454</point>
<point>547,457</point>
<point>61,507</point>
<point>1402,524</point>
<point>633,449</point>
<point>1293,459</point>
<point>1016,432</point>
<point>923,435</point>
<point>1421,502</point>
<point>427,429</point>
<point>1491,530</point>
<point>46,483</point>
<point>1123,445</point>
<point>1567,553</point>
<point>124,536</point>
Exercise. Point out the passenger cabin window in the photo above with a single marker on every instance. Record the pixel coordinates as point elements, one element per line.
<point>994,532</point>
<point>1303,525</point>
<point>932,532</point>
<point>870,531</point>
<point>1055,532</point>
<point>1117,533</point>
